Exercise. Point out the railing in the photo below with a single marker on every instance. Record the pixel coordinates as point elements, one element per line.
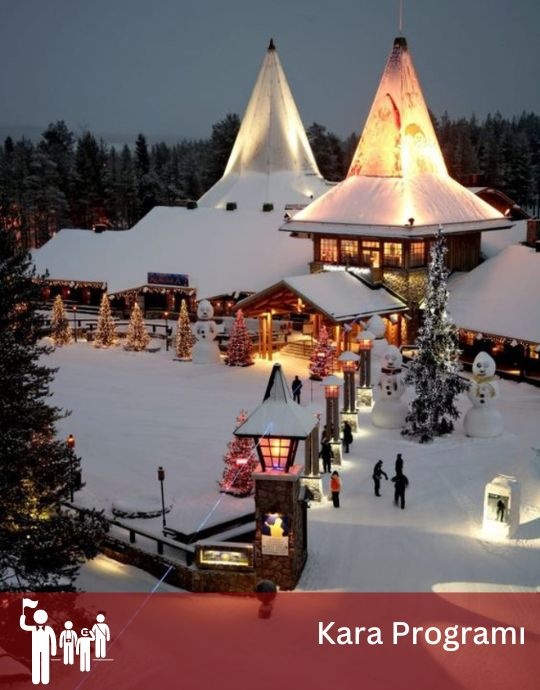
<point>186,550</point>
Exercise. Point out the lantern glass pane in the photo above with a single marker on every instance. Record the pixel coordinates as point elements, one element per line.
<point>275,452</point>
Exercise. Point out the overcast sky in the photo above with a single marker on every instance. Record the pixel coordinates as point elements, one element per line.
<point>174,67</point>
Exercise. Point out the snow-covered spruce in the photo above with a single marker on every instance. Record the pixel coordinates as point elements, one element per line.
<point>106,329</point>
<point>184,335</point>
<point>240,462</point>
<point>322,361</point>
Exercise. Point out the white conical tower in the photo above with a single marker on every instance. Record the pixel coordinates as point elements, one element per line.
<point>271,161</point>
<point>398,178</point>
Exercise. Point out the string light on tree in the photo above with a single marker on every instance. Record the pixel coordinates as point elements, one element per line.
<point>240,463</point>
<point>184,335</point>
<point>239,351</point>
<point>106,330</point>
<point>60,328</point>
<point>322,358</point>
<point>137,335</point>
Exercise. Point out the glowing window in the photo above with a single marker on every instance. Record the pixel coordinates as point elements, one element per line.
<point>329,250</point>
<point>275,452</point>
<point>416,254</point>
<point>393,254</point>
<point>371,254</point>
<point>349,251</point>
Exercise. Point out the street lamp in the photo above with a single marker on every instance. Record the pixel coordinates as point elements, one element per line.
<point>332,385</point>
<point>70,443</point>
<point>349,361</point>
<point>161,479</point>
<point>277,425</point>
<point>365,344</point>
<point>166,315</point>
<point>75,321</point>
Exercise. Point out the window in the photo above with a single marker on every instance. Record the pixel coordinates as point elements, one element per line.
<point>416,254</point>
<point>393,254</point>
<point>349,252</point>
<point>371,254</point>
<point>329,251</point>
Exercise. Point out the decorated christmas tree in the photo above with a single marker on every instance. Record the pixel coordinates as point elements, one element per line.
<point>434,371</point>
<point>60,328</point>
<point>105,332</point>
<point>42,544</point>
<point>239,351</point>
<point>240,463</point>
<point>184,335</point>
<point>322,358</point>
<point>137,336</point>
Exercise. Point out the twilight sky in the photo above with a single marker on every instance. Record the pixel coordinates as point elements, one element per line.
<point>174,67</point>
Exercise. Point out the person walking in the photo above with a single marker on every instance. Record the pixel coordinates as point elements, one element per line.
<point>347,436</point>
<point>399,463</point>
<point>326,453</point>
<point>400,484</point>
<point>296,388</point>
<point>335,488</point>
<point>378,473</point>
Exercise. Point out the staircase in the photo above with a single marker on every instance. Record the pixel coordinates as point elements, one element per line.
<point>298,348</point>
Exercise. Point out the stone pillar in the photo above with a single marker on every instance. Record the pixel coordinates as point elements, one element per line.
<point>312,477</point>
<point>281,527</point>
<point>333,424</point>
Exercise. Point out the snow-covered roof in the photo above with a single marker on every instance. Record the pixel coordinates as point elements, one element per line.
<point>271,160</point>
<point>221,251</point>
<point>398,174</point>
<point>337,294</point>
<point>500,296</point>
<point>495,242</point>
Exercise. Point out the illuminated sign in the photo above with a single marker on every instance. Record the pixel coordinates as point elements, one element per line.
<point>176,279</point>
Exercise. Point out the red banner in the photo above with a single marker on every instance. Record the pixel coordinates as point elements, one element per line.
<point>298,640</point>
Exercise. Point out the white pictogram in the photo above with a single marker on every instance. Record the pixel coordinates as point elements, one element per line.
<point>44,643</point>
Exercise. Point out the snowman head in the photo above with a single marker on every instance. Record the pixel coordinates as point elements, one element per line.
<point>205,310</point>
<point>483,365</point>
<point>392,358</point>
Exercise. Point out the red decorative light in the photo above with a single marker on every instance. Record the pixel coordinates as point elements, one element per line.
<point>277,453</point>
<point>331,391</point>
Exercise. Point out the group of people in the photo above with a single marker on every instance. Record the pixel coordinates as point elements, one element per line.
<point>400,481</point>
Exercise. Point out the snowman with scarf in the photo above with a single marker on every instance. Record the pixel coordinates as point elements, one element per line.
<point>389,411</point>
<point>482,419</point>
<point>205,350</point>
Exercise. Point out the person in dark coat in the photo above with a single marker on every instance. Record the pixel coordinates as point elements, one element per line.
<point>399,463</point>
<point>378,473</point>
<point>400,484</point>
<point>326,454</point>
<point>347,436</point>
<point>296,388</point>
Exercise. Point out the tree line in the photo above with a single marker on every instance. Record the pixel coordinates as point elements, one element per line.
<point>69,181</point>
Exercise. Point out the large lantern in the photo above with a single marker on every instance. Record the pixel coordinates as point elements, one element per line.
<point>349,362</point>
<point>365,344</point>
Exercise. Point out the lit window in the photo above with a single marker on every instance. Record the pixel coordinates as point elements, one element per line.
<point>329,250</point>
<point>349,251</point>
<point>393,254</point>
<point>416,254</point>
<point>371,254</point>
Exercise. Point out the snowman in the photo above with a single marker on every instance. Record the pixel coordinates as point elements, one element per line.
<point>389,411</point>
<point>482,419</point>
<point>205,350</point>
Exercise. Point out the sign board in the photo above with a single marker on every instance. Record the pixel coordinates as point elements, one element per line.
<point>275,534</point>
<point>175,279</point>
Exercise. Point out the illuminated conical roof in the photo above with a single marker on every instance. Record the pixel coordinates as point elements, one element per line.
<point>271,161</point>
<point>397,183</point>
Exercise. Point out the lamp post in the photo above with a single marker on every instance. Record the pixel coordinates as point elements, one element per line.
<point>349,361</point>
<point>75,322</point>
<point>161,479</point>
<point>365,345</point>
<point>70,443</point>
<point>332,385</point>
<point>166,315</point>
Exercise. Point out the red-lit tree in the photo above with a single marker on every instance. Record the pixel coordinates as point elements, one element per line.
<point>322,359</point>
<point>239,351</point>
<point>240,463</point>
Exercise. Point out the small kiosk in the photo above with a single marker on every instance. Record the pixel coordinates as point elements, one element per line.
<point>501,506</point>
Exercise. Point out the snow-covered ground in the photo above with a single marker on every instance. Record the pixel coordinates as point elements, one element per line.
<point>132,412</point>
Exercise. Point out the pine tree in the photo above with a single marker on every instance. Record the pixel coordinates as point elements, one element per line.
<point>184,334</point>
<point>240,348</point>
<point>322,359</point>
<point>434,371</point>
<point>137,335</point>
<point>105,331</point>
<point>60,328</point>
<point>42,544</point>
<point>240,463</point>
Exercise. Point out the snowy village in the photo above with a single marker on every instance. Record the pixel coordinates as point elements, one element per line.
<point>286,383</point>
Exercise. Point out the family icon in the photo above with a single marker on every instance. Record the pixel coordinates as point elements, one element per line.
<point>44,643</point>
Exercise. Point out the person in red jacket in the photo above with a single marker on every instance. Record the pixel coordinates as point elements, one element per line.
<point>335,488</point>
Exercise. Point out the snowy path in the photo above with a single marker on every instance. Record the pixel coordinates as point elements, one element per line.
<point>135,411</point>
